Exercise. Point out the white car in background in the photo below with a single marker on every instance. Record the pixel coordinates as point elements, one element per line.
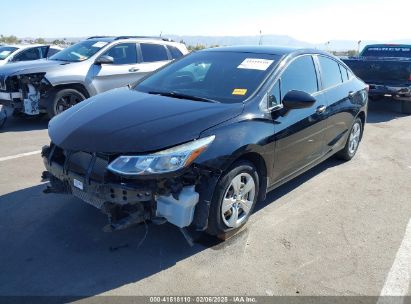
<point>26,52</point>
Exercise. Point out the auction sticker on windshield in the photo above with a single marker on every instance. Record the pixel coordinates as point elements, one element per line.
<point>99,44</point>
<point>255,64</point>
<point>239,92</point>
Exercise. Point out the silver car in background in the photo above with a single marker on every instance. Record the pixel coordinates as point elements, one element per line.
<point>25,52</point>
<point>87,68</point>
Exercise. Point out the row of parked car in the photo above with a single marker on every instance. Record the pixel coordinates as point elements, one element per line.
<point>62,79</point>
<point>198,142</point>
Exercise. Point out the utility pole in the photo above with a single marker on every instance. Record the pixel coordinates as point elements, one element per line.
<point>261,38</point>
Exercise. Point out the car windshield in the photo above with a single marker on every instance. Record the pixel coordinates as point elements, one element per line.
<point>385,51</point>
<point>6,51</point>
<point>80,51</point>
<point>221,76</point>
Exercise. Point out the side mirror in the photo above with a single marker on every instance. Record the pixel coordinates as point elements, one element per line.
<point>298,100</point>
<point>104,60</point>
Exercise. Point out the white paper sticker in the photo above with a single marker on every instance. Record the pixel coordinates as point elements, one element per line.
<point>99,44</point>
<point>5,53</point>
<point>255,64</point>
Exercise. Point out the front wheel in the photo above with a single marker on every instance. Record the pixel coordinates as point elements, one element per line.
<point>63,100</point>
<point>353,141</point>
<point>234,199</point>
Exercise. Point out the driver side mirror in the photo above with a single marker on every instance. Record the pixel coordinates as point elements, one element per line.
<point>104,60</point>
<point>298,100</point>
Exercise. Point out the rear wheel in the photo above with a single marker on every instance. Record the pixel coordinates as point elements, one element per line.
<point>234,199</point>
<point>63,100</point>
<point>353,141</point>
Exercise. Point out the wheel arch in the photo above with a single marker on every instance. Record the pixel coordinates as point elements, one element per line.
<point>75,85</point>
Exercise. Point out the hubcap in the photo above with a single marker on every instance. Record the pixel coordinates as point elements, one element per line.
<point>67,101</point>
<point>354,138</point>
<point>238,200</point>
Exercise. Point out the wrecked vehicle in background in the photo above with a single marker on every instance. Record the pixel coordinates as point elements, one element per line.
<point>200,141</point>
<point>85,69</point>
<point>26,52</point>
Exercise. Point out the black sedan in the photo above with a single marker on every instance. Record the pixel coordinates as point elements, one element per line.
<point>201,141</point>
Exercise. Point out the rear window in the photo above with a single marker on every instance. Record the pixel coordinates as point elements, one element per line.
<point>330,72</point>
<point>387,51</point>
<point>153,52</point>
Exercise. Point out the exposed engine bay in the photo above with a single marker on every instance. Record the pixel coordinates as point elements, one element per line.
<point>25,93</point>
<point>128,201</point>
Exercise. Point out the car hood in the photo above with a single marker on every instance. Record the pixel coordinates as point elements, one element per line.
<point>26,67</point>
<point>128,121</point>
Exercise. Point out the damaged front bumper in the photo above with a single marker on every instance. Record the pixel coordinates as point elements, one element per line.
<point>24,93</point>
<point>182,200</point>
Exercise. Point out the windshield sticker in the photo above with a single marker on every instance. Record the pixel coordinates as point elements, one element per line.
<point>99,44</point>
<point>5,53</point>
<point>255,64</point>
<point>241,92</point>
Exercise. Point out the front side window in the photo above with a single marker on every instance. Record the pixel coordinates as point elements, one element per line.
<point>125,53</point>
<point>80,51</point>
<point>300,75</point>
<point>227,77</point>
<point>330,72</point>
<point>153,52</point>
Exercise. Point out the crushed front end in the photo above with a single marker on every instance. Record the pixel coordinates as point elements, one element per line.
<point>181,198</point>
<point>24,93</point>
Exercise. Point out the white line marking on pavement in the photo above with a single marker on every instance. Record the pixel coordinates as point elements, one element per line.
<point>19,155</point>
<point>398,279</point>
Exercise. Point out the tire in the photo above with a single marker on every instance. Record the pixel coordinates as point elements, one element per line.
<point>240,174</point>
<point>351,147</point>
<point>62,100</point>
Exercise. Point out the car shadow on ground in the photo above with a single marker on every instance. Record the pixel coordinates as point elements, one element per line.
<point>383,110</point>
<point>21,124</point>
<point>54,245</point>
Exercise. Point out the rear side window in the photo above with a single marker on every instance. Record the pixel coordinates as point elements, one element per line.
<point>300,75</point>
<point>344,73</point>
<point>124,53</point>
<point>153,52</point>
<point>175,52</point>
<point>52,51</point>
<point>330,70</point>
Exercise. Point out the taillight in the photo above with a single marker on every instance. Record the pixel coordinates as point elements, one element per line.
<point>409,78</point>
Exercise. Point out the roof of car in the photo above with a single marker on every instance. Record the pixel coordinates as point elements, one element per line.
<point>266,49</point>
<point>24,46</point>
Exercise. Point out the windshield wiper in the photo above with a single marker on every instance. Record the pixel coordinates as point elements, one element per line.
<point>183,96</point>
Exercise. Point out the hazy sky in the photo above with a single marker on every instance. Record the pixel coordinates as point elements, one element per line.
<point>312,21</point>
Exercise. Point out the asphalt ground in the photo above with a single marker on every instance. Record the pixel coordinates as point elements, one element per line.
<point>339,229</point>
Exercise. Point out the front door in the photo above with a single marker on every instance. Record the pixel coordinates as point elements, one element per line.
<point>299,133</point>
<point>123,71</point>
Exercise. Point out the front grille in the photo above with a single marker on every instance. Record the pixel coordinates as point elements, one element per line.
<point>89,165</point>
<point>87,197</point>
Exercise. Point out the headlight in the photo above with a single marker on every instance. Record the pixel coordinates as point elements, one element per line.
<point>165,161</point>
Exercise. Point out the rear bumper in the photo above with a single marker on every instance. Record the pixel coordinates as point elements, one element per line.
<point>397,92</point>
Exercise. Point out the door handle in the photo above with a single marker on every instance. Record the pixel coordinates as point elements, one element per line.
<point>351,94</point>
<point>133,70</point>
<point>321,109</point>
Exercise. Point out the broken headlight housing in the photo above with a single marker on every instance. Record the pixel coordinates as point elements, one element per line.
<point>164,161</point>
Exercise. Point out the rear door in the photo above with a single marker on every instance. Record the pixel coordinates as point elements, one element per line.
<point>152,57</point>
<point>339,87</point>
<point>299,133</point>
<point>123,71</point>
